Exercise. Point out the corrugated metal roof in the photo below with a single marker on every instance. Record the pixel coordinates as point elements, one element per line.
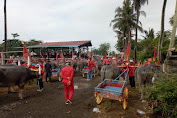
<point>62,44</point>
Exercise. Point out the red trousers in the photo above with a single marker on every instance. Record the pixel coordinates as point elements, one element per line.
<point>71,91</point>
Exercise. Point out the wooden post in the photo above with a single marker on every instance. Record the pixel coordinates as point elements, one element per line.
<point>2,59</point>
<point>40,52</point>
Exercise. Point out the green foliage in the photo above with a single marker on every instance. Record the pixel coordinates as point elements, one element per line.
<point>102,48</point>
<point>13,43</point>
<point>171,21</point>
<point>147,46</point>
<point>33,42</point>
<point>162,97</point>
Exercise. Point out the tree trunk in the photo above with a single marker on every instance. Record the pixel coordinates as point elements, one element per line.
<point>172,41</point>
<point>129,39</point>
<point>162,31</point>
<point>125,46</point>
<point>5,27</point>
<point>136,35</point>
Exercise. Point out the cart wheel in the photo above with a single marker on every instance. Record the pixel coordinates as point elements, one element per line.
<point>98,99</point>
<point>83,75</point>
<point>125,102</point>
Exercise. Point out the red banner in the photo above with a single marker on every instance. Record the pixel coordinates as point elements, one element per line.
<point>155,54</point>
<point>61,56</point>
<point>57,57</point>
<point>105,54</point>
<point>25,52</point>
<point>127,51</point>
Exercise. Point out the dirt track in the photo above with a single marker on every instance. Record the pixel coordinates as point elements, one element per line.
<point>50,103</point>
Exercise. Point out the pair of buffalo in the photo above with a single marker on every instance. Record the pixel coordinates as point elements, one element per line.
<point>143,75</point>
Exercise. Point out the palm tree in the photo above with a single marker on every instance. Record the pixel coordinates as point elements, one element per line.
<point>15,35</point>
<point>149,34</point>
<point>137,6</point>
<point>172,41</point>
<point>5,26</point>
<point>125,20</point>
<point>162,31</point>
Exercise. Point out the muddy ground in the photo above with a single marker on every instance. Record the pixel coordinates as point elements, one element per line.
<point>51,102</point>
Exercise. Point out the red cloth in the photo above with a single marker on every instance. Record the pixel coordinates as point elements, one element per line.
<point>67,72</point>
<point>131,71</point>
<point>91,65</point>
<point>71,91</point>
<point>107,61</point>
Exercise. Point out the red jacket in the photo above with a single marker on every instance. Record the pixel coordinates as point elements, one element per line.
<point>131,71</point>
<point>91,65</point>
<point>107,61</point>
<point>67,72</point>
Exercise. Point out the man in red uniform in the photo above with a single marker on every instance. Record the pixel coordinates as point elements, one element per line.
<point>131,74</point>
<point>106,61</point>
<point>67,75</point>
<point>90,66</point>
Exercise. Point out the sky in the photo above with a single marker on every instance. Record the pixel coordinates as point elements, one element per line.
<point>73,20</point>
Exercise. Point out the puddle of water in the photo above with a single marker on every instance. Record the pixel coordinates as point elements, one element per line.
<point>76,86</point>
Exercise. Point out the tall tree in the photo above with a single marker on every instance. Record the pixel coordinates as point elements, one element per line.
<point>137,6</point>
<point>172,40</point>
<point>125,20</point>
<point>162,31</point>
<point>5,26</point>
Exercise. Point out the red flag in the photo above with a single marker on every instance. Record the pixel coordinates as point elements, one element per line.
<point>91,53</point>
<point>57,57</point>
<point>25,52</point>
<point>72,56</point>
<point>115,55</point>
<point>105,54</point>
<point>61,56</point>
<point>155,54</point>
<point>127,51</point>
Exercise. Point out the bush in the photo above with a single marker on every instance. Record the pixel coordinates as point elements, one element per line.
<point>163,97</point>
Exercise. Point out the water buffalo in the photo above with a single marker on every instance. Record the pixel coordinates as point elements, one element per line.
<point>74,64</point>
<point>98,67</point>
<point>80,65</point>
<point>144,75</point>
<point>110,72</point>
<point>15,75</point>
